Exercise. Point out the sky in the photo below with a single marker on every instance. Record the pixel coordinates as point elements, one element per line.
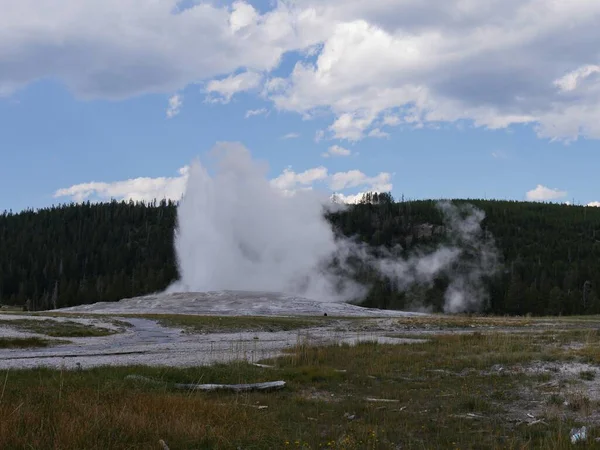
<point>496,99</point>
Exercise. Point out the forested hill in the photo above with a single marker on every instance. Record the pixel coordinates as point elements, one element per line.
<point>86,253</point>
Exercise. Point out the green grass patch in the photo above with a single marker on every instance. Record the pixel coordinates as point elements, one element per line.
<point>56,328</point>
<point>29,342</point>
<point>587,375</point>
<point>441,321</point>
<point>216,324</point>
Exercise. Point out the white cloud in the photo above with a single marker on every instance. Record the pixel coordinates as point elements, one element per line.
<point>175,104</point>
<point>376,64</point>
<point>355,178</point>
<point>172,188</point>
<point>256,112</point>
<point>242,16</point>
<point>290,180</point>
<point>228,87</point>
<point>121,48</point>
<point>377,133</point>
<point>594,204</point>
<point>336,150</point>
<point>137,189</point>
<point>350,199</point>
<point>570,81</point>
<point>291,136</point>
<point>493,63</point>
<point>351,126</point>
<point>543,193</point>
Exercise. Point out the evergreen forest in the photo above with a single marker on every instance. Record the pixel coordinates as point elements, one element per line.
<point>84,253</point>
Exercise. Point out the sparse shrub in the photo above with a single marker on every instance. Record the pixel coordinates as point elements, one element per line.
<point>556,399</point>
<point>579,402</point>
<point>587,375</point>
<point>28,342</point>
<point>475,404</point>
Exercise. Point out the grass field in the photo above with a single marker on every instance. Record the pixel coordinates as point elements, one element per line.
<point>524,389</point>
<point>27,342</point>
<point>216,324</point>
<point>55,328</point>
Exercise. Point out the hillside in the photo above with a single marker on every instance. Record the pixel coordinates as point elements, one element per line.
<point>69,255</point>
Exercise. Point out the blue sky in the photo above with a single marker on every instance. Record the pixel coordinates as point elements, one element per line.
<point>418,108</point>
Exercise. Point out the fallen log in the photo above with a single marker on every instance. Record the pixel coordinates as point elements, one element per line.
<point>264,366</point>
<point>268,386</point>
<point>264,387</point>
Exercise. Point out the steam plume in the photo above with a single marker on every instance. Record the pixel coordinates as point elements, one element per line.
<point>235,231</point>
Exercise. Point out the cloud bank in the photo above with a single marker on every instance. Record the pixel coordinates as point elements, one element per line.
<point>371,66</point>
<point>172,188</point>
<point>137,189</point>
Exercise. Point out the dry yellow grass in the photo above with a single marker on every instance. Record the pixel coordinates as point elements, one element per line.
<point>444,393</point>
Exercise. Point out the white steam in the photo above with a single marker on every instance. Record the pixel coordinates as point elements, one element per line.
<point>235,231</point>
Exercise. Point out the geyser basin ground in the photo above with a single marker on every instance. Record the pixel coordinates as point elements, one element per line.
<point>474,382</point>
<point>151,337</point>
<point>158,341</point>
<point>233,303</point>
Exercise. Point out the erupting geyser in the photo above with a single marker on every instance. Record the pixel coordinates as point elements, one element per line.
<point>236,231</point>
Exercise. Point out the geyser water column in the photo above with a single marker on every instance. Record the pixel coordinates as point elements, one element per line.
<point>236,231</point>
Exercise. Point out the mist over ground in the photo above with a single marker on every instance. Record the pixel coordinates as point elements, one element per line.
<point>236,231</point>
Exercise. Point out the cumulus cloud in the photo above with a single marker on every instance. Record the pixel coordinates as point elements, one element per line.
<point>351,126</point>
<point>377,133</point>
<point>291,136</point>
<point>493,63</point>
<point>570,81</point>
<point>290,180</point>
<point>175,104</point>
<point>336,150</point>
<point>372,66</point>
<point>255,112</point>
<point>350,199</point>
<point>121,48</point>
<point>543,193</point>
<point>594,204</point>
<point>228,87</point>
<point>172,188</point>
<point>138,189</point>
<point>242,16</point>
<point>355,178</point>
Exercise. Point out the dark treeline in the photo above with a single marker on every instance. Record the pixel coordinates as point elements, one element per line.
<point>68,255</point>
<point>550,253</point>
<point>85,253</point>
